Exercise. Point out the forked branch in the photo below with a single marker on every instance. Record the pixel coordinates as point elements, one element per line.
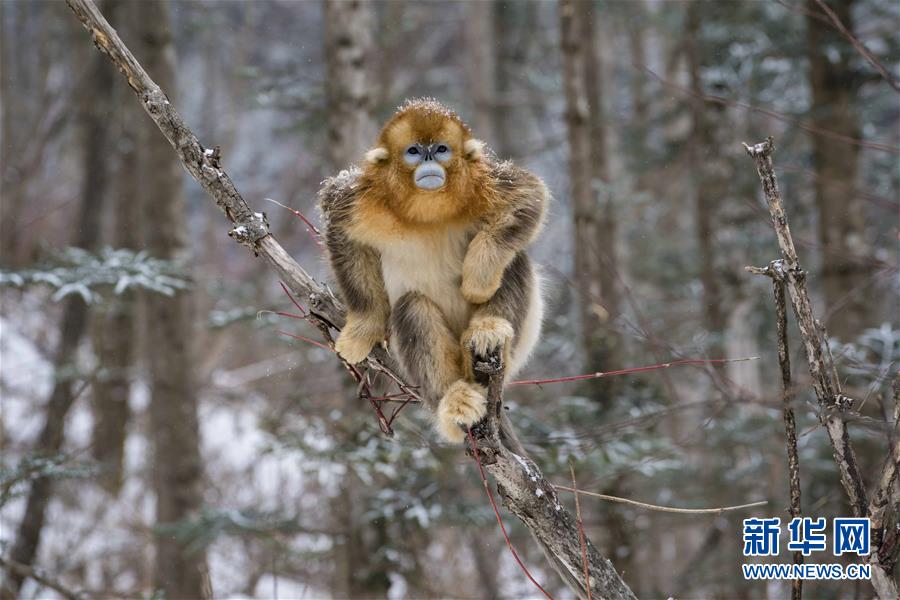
<point>833,404</point>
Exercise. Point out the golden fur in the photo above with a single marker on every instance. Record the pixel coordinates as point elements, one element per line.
<point>442,272</point>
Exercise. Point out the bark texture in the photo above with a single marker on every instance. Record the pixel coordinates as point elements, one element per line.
<point>348,54</point>
<point>177,464</point>
<point>528,495</point>
<point>790,425</point>
<point>481,49</point>
<point>842,231</point>
<point>75,315</point>
<point>588,173</point>
<point>114,327</point>
<point>556,527</point>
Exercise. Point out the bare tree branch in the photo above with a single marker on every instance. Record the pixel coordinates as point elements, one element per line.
<point>790,425</point>
<point>860,47</point>
<point>529,496</point>
<point>774,271</point>
<point>525,491</point>
<point>883,510</point>
<point>832,402</point>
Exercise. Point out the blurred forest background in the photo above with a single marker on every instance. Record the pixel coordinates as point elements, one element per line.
<point>162,436</point>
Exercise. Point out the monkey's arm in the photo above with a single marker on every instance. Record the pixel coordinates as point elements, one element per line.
<point>522,203</point>
<point>357,268</point>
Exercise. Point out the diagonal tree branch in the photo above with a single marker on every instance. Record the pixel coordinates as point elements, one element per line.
<point>860,47</point>
<point>525,491</point>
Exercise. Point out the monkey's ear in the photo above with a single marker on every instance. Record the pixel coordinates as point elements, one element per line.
<point>377,155</point>
<point>473,149</point>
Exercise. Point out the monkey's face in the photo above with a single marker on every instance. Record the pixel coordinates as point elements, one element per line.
<point>428,160</point>
<point>426,165</point>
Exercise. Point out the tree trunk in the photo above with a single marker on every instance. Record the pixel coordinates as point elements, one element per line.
<point>640,100</point>
<point>841,221</point>
<point>708,172</point>
<point>348,53</point>
<point>588,167</point>
<point>481,49</point>
<point>177,464</point>
<point>350,90</point>
<point>512,36</point>
<point>595,78</point>
<point>114,332</point>
<point>95,141</point>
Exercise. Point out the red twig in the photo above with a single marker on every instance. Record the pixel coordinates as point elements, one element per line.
<point>313,230</point>
<point>293,300</point>
<point>581,536</point>
<point>598,375</point>
<point>490,495</point>
<point>306,339</point>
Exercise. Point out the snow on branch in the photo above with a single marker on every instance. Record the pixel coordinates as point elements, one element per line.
<point>89,275</point>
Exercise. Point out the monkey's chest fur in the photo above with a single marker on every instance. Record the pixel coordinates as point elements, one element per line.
<point>429,263</point>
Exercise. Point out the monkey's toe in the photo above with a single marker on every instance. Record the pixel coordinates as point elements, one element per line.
<point>352,349</point>
<point>463,404</point>
<point>486,334</point>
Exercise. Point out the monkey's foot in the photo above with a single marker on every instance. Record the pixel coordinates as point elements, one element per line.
<point>464,404</point>
<point>352,349</point>
<point>358,337</point>
<point>486,334</point>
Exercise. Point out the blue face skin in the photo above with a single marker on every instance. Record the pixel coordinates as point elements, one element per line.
<point>429,174</point>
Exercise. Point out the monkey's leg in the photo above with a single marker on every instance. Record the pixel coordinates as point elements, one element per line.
<point>499,322</point>
<point>430,354</point>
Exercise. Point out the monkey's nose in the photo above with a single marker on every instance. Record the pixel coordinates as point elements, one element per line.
<point>429,176</point>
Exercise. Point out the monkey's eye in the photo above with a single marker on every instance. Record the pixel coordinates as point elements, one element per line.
<point>441,149</point>
<point>412,150</point>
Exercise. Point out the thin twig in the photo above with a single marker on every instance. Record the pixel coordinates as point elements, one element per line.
<point>860,47</point>
<point>805,125</point>
<point>598,375</point>
<point>307,340</point>
<point>790,425</point>
<point>42,579</point>
<point>584,560</point>
<point>312,229</point>
<point>658,508</point>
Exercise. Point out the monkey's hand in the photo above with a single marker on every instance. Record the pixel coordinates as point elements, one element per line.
<point>483,268</point>
<point>463,404</point>
<point>358,337</point>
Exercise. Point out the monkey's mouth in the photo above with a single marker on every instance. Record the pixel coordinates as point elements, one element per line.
<point>429,176</point>
<point>430,182</point>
